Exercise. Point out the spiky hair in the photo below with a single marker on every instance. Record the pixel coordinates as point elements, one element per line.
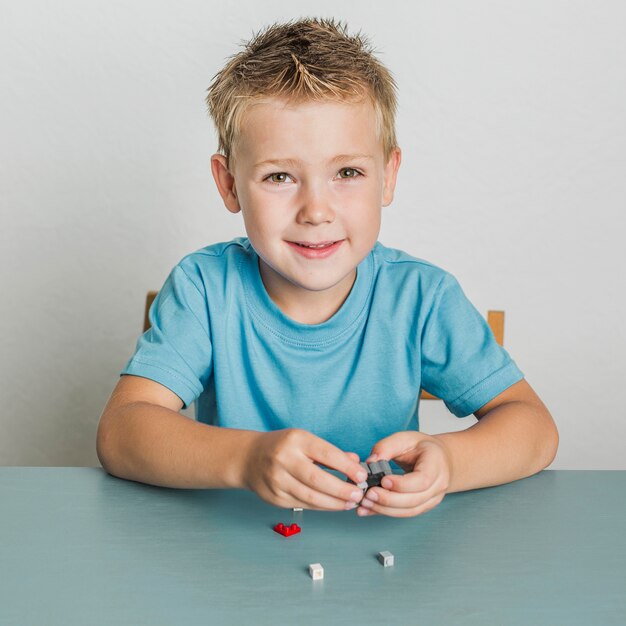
<point>301,60</point>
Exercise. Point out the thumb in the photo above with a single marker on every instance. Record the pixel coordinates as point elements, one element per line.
<point>394,446</point>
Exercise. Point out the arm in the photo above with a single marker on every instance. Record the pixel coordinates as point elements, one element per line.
<point>142,437</point>
<point>515,437</point>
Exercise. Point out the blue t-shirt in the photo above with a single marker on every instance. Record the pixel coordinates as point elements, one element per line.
<point>217,338</point>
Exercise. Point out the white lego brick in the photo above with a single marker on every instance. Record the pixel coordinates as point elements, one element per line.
<point>386,558</point>
<point>296,509</point>
<point>316,571</point>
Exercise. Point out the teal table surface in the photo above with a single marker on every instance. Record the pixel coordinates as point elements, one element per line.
<point>78,546</point>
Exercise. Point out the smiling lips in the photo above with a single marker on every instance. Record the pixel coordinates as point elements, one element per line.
<point>315,250</point>
<point>309,244</point>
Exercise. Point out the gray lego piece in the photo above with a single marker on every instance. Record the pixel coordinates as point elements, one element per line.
<point>376,471</point>
<point>374,467</point>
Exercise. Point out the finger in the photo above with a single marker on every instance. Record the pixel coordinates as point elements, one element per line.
<point>301,494</point>
<point>398,500</point>
<point>405,492</point>
<point>325,453</point>
<point>377,509</point>
<point>430,466</point>
<point>322,488</point>
<point>395,445</point>
<point>411,482</point>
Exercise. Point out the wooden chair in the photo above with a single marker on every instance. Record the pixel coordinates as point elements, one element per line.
<point>495,319</point>
<point>149,300</point>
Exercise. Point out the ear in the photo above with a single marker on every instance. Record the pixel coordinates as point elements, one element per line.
<point>225,182</point>
<point>390,175</point>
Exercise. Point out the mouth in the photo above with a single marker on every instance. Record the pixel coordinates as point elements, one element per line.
<point>315,245</point>
<point>316,249</point>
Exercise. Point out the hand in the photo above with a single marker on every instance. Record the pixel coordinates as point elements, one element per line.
<point>428,465</point>
<point>282,468</point>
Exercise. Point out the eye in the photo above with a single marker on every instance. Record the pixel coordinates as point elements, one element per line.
<point>277,178</point>
<point>349,172</point>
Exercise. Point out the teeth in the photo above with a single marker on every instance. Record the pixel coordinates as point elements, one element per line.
<point>323,245</point>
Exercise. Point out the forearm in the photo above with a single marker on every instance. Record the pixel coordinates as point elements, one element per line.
<point>510,442</point>
<point>153,444</point>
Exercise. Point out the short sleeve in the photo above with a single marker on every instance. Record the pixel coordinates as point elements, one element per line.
<point>461,361</point>
<point>176,351</point>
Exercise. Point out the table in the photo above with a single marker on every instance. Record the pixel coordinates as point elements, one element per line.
<point>78,546</point>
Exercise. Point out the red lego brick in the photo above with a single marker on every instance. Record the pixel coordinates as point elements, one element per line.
<point>287,531</point>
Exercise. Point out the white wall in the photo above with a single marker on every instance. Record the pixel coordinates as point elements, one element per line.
<point>514,137</point>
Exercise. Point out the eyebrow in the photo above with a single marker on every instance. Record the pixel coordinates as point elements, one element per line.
<point>295,162</point>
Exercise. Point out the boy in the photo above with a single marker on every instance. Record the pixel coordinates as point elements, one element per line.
<point>307,342</point>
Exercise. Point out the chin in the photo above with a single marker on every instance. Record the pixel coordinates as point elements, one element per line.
<point>325,284</point>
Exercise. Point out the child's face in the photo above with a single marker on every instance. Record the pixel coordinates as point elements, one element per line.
<point>311,192</point>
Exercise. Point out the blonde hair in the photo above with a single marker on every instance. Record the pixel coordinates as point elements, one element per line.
<point>307,59</point>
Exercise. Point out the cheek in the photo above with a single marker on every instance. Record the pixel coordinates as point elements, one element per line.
<point>367,202</point>
<point>269,212</point>
<point>261,226</point>
<point>265,200</point>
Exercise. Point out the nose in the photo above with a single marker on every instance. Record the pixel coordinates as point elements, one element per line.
<point>314,205</point>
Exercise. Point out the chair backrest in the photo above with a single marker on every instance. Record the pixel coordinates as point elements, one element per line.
<point>495,319</point>
<point>149,300</point>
